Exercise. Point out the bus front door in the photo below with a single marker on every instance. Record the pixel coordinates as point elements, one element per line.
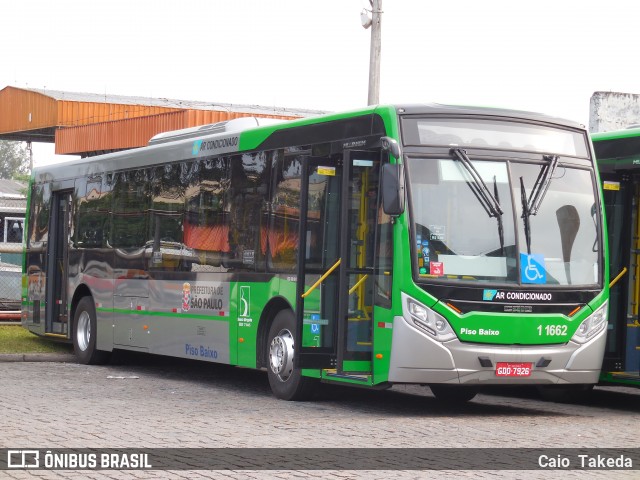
<point>56,305</point>
<point>335,261</point>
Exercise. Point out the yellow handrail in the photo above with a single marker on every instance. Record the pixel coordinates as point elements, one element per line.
<point>321,279</point>
<point>353,289</point>
<point>618,277</point>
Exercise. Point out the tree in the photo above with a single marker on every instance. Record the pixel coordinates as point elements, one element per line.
<point>14,160</point>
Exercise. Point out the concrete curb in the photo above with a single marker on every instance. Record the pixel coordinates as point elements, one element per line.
<point>38,357</point>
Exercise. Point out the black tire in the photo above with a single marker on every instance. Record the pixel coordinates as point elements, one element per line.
<point>565,393</point>
<point>85,330</point>
<point>287,383</point>
<point>453,393</point>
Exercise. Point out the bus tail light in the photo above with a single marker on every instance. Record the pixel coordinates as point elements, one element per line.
<point>592,325</point>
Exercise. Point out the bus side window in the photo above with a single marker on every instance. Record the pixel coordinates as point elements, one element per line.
<point>250,175</point>
<point>89,224</point>
<point>281,239</point>
<point>164,247</point>
<point>206,220</point>
<point>131,205</point>
<point>39,215</point>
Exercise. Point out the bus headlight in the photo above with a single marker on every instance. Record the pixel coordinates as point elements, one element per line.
<point>429,321</point>
<point>592,325</point>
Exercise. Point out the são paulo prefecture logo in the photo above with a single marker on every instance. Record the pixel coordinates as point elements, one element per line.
<point>489,295</point>
<point>196,147</point>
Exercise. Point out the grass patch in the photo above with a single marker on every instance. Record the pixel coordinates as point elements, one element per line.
<point>15,339</point>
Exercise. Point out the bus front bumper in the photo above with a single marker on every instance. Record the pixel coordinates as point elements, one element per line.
<point>418,358</point>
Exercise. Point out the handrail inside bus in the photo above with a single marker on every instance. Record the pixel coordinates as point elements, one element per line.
<point>353,289</point>
<point>618,277</point>
<point>321,279</point>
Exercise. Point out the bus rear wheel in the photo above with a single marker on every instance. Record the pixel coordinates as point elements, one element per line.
<point>453,393</point>
<point>287,382</point>
<point>84,334</point>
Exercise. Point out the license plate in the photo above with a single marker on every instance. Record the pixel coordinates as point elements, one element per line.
<point>510,369</point>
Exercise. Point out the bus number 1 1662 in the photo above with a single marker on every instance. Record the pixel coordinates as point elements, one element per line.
<point>552,330</point>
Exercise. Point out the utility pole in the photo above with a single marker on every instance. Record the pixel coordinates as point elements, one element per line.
<point>374,58</point>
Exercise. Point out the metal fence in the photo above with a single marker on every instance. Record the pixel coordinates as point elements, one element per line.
<point>10,276</point>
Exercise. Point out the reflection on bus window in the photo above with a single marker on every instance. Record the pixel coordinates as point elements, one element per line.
<point>281,238</point>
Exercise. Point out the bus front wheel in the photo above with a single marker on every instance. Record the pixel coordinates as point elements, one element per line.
<point>287,382</point>
<point>565,393</point>
<point>84,334</point>
<point>453,393</point>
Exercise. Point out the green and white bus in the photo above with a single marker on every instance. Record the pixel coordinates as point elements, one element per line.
<point>454,247</point>
<point>618,157</point>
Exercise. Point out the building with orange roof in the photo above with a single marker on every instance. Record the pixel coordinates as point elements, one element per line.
<point>88,124</point>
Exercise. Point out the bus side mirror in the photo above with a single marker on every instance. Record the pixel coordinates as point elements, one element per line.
<point>390,145</point>
<point>393,189</point>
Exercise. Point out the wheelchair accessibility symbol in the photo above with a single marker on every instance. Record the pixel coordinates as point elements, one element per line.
<point>532,269</point>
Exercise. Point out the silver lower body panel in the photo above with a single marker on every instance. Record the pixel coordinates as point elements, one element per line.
<point>417,358</point>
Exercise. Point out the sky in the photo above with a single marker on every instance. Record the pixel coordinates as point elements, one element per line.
<point>543,56</point>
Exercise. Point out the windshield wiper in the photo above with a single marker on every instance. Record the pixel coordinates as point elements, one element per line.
<point>541,186</point>
<point>499,217</point>
<point>525,215</point>
<point>531,205</point>
<point>477,185</point>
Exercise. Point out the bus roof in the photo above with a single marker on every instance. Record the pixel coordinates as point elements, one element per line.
<point>435,108</point>
<point>617,150</point>
<point>616,134</point>
<point>225,137</point>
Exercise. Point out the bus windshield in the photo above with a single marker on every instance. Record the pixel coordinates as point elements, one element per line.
<point>462,235</point>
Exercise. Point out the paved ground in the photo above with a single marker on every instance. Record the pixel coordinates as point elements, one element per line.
<point>146,402</point>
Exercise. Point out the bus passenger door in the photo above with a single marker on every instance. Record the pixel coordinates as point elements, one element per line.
<point>335,300</point>
<point>56,301</point>
<point>622,203</point>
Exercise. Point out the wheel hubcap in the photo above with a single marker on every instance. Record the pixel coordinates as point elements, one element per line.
<point>281,355</point>
<point>83,332</point>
